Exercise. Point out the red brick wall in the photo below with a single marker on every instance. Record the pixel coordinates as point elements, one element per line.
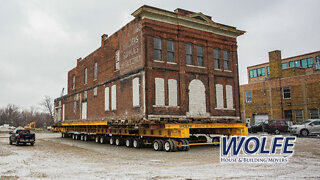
<point>105,57</point>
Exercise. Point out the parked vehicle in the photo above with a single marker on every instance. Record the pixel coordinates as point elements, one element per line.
<point>271,126</point>
<point>260,127</point>
<point>23,136</point>
<point>277,126</point>
<point>308,127</point>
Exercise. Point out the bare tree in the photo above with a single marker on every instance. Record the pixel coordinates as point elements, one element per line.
<point>47,105</point>
<point>11,115</point>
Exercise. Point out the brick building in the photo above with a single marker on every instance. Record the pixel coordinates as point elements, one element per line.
<point>282,89</point>
<point>176,65</point>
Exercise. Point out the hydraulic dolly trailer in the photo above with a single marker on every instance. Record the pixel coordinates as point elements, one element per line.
<point>167,137</point>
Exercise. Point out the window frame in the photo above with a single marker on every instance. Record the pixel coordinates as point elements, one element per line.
<point>189,54</point>
<point>73,82</point>
<point>283,92</point>
<point>117,60</point>
<point>156,49</point>
<point>216,58</point>
<point>85,75</point>
<point>247,97</point>
<point>226,60</point>
<point>200,55</point>
<point>310,64</point>
<point>295,115</point>
<point>170,51</point>
<point>95,71</point>
<point>284,64</point>
<point>311,117</point>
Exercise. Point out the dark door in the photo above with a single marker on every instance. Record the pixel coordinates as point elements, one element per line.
<point>288,115</point>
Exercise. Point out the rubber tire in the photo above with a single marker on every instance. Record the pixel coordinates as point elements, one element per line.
<point>276,131</point>
<point>156,145</point>
<point>10,142</point>
<point>185,142</point>
<point>112,141</point>
<point>174,147</point>
<point>137,143</point>
<point>102,139</point>
<point>129,142</point>
<point>304,134</point>
<point>86,138</point>
<point>215,139</point>
<point>32,143</point>
<point>97,139</point>
<point>168,145</point>
<point>119,141</point>
<point>187,148</point>
<point>162,144</point>
<point>182,147</point>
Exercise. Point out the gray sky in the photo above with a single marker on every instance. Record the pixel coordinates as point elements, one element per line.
<point>41,40</point>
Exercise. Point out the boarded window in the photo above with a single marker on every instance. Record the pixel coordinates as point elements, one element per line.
<point>197,98</point>
<point>84,110</point>
<point>85,76</point>
<point>95,71</point>
<point>85,95</point>
<point>219,96</point>
<point>172,90</point>
<point>114,97</point>
<point>73,82</point>
<point>170,51</point>
<point>75,107</point>
<point>216,55</point>
<point>95,91</point>
<point>157,48</point>
<point>189,58</point>
<point>229,97</point>
<point>117,59</point>
<point>159,91</point>
<point>63,112</point>
<point>135,92</point>
<point>106,99</point>
<point>59,114</point>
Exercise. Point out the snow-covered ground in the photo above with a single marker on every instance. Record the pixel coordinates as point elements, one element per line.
<point>55,158</point>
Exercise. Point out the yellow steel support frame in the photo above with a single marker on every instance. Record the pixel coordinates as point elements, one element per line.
<point>169,131</point>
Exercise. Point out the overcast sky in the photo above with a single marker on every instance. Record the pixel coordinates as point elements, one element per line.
<point>41,40</point>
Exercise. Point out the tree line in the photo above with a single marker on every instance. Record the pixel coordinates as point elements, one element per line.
<point>15,116</point>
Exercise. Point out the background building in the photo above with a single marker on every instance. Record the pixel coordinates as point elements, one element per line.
<point>282,89</point>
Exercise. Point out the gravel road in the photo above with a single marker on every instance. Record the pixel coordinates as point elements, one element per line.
<point>55,158</point>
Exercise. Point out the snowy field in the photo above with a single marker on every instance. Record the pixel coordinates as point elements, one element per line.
<point>55,158</point>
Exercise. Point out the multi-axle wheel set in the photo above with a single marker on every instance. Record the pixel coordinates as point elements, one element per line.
<point>168,145</point>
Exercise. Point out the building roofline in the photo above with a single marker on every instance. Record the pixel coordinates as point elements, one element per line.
<point>154,13</point>
<point>284,59</point>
